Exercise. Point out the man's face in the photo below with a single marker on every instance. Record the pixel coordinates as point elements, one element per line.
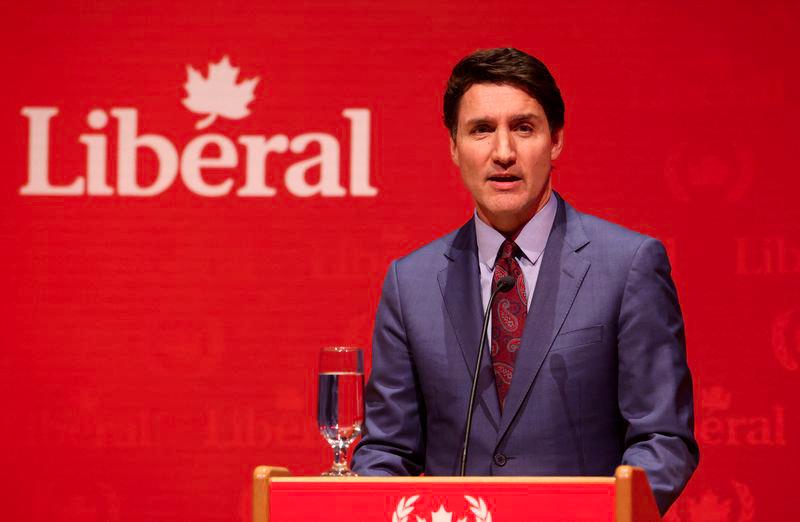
<point>504,149</point>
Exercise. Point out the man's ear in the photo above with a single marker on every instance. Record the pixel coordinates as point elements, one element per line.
<point>558,143</point>
<point>454,151</point>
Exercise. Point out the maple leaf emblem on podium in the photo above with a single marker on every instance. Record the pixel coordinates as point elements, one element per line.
<point>441,516</point>
<point>218,94</point>
<point>476,505</point>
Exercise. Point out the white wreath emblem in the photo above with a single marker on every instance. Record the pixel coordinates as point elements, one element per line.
<point>404,508</point>
<point>476,505</point>
<point>479,509</point>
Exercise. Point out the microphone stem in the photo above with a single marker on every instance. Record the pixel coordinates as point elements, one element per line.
<point>475,381</point>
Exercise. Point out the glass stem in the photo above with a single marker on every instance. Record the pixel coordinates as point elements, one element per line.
<point>340,456</point>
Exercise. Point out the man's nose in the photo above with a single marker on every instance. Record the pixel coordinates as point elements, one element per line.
<point>504,153</point>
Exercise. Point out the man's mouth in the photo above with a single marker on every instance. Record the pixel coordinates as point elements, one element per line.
<point>504,178</point>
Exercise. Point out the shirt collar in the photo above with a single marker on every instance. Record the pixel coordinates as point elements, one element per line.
<point>531,240</point>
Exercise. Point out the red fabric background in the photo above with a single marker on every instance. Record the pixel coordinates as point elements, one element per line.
<point>155,349</point>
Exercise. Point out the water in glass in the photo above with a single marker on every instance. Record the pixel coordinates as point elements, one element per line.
<point>340,402</point>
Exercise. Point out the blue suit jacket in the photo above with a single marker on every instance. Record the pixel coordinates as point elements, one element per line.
<point>600,379</point>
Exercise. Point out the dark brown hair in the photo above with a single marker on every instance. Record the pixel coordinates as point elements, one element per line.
<point>504,66</point>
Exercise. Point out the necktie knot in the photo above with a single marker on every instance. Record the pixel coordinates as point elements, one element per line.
<point>508,249</point>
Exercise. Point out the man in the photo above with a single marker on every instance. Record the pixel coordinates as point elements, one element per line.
<point>586,368</point>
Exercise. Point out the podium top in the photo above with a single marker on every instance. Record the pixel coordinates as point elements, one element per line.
<point>626,497</point>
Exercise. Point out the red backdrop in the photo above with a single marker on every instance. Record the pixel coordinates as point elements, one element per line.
<point>156,347</point>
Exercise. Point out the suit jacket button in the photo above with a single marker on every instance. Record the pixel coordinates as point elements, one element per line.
<point>500,459</point>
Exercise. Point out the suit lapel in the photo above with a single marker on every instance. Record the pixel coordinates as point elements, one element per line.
<point>560,277</point>
<point>461,290</point>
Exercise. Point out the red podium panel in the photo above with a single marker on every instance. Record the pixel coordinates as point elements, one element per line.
<point>624,497</point>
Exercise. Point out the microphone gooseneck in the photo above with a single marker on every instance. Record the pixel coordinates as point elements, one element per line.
<point>504,284</point>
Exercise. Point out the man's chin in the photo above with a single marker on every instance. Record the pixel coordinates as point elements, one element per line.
<point>508,206</point>
<point>501,217</point>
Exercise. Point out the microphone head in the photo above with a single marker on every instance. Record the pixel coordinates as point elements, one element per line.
<point>506,283</point>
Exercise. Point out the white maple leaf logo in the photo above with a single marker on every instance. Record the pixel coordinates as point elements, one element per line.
<point>405,507</point>
<point>219,94</point>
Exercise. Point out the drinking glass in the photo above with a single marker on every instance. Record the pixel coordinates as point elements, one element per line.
<point>340,402</point>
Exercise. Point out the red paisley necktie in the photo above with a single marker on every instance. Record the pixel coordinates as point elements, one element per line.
<point>508,319</point>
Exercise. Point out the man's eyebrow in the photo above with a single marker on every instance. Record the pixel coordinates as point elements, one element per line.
<point>478,121</point>
<point>528,116</point>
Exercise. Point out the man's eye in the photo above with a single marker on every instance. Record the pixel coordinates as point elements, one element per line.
<point>525,127</point>
<point>481,129</point>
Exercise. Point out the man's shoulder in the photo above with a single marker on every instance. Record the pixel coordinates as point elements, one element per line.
<point>435,254</point>
<point>598,228</point>
<point>608,239</point>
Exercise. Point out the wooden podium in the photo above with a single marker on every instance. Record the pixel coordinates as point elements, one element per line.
<point>625,497</point>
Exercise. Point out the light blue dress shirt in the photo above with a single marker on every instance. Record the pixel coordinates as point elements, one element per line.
<point>531,240</point>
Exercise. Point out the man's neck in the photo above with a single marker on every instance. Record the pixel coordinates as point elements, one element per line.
<point>511,225</point>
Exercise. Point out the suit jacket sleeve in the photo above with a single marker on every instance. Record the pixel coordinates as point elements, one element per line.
<point>393,443</point>
<point>655,387</point>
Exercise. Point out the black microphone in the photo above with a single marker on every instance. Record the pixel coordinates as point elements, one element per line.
<point>504,284</point>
